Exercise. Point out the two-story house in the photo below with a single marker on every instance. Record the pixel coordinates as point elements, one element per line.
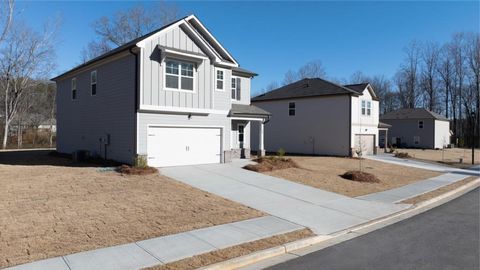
<point>318,117</point>
<point>175,95</point>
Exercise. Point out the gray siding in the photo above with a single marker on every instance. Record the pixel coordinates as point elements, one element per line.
<point>406,129</point>
<point>321,126</point>
<point>81,122</point>
<point>153,74</point>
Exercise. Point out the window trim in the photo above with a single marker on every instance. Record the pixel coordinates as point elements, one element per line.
<point>236,85</point>
<point>216,79</point>
<point>74,79</point>
<point>418,124</point>
<point>367,110</point>
<point>180,61</point>
<point>91,82</point>
<point>292,109</point>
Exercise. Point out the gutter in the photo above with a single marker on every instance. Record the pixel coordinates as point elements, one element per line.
<point>135,106</point>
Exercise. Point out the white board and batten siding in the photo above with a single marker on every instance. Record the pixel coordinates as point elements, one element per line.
<point>365,126</point>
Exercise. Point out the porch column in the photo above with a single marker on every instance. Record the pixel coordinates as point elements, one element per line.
<point>261,147</point>
<point>386,141</point>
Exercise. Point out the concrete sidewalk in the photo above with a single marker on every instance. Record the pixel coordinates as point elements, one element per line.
<point>323,212</point>
<point>412,190</point>
<point>165,249</point>
<point>389,158</point>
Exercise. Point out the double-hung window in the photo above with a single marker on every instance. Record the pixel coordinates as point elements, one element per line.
<point>420,124</point>
<point>74,88</point>
<point>366,107</point>
<point>179,75</point>
<point>93,83</point>
<point>219,79</point>
<point>291,108</point>
<point>236,88</point>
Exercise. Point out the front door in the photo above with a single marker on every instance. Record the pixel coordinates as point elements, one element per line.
<point>241,135</point>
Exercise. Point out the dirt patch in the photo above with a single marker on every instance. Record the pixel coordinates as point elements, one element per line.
<point>449,156</point>
<point>360,176</point>
<point>49,208</point>
<point>440,191</point>
<point>324,173</point>
<point>267,164</point>
<point>233,252</point>
<point>129,170</point>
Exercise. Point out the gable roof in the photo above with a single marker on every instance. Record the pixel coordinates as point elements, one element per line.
<point>415,113</point>
<point>189,20</point>
<point>360,87</point>
<point>306,88</point>
<point>247,110</point>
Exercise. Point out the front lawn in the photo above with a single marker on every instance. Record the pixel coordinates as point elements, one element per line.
<point>326,173</point>
<point>51,207</point>
<point>449,156</point>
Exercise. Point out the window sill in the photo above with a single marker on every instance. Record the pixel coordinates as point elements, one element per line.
<point>179,90</point>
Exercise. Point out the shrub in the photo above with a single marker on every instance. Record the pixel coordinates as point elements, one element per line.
<point>125,169</point>
<point>281,152</point>
<point>140,161</point>
<point>359,176</point>
<point>401,154</point>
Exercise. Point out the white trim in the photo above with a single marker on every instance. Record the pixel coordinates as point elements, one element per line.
<point>247,119</point>
<point>213,38</point>
<point>170,51</point>
<point>195,75</point>
<point>215,78</point>
<point>222,130</point>
<point>180,109</point>
<point>142,42</point>
<point>91,83</point>
<point>140,76</point>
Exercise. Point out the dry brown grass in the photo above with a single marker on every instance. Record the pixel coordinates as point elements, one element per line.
<point>359,176</point>
<point>267,164</point>
<point>49,208</point>
<point>233,252</point>
<point>440,191</point>
<point>324,173</point>
<point>448,156</point>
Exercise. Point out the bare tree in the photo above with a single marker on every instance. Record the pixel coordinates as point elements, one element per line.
<point>457,53</point>
<point>409,71</point>
<point>126,25</point>
<point>429,56</point>
<point>26,55</point>
<point>445,70</point>
<point>271,86</point>
<point>6,17</point>
<point>312,69</point>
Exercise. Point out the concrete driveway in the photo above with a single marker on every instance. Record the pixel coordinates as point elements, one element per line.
<point>324,212</point>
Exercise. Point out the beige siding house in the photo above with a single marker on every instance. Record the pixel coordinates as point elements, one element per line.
<point>175,95</point>
<point>318,117</point>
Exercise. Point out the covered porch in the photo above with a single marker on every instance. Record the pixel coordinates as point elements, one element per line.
<point>383,135</point>
<point>242,116</point>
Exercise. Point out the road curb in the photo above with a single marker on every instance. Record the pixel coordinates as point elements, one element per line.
<point>287,248</point>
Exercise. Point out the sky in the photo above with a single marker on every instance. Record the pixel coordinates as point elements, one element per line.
<point>271,38</point>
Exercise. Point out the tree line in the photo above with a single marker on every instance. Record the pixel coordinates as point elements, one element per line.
<point>443,78</point>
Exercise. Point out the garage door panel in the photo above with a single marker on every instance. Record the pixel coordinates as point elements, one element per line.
<point>169,146</point>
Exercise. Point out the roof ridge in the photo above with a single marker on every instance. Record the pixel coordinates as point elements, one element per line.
<point>341,86</point>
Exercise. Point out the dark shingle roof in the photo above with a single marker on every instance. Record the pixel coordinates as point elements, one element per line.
<point>306,88</point>
<point>415,113</point>
<point>244,71</point>
<point>359,87</point>
<point>383,125</point>
<point>119,49</point>
<point>247,110</point>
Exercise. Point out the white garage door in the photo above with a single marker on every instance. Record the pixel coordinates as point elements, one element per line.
<point>174,146</point>
<point>365,143</point>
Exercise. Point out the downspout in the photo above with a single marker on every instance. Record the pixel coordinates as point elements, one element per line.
<point>350,126</point>
<point>135,101</point>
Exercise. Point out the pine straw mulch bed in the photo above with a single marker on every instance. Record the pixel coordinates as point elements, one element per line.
<point>360,176</point>
<point>268,164</point>
<point>235,251</point>
<point>129,170</point>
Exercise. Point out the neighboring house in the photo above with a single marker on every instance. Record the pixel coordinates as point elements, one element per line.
<point>175,95</point>
<point>318,117</point>
<point>417,128</point>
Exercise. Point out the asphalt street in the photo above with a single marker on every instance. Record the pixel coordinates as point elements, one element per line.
<point>446,237</point>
